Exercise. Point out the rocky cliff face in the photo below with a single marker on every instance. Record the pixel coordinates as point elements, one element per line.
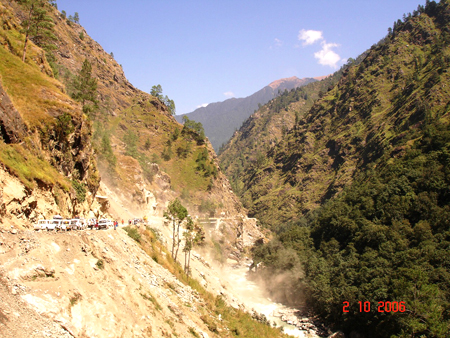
<point>28,193</point>
<point>47,162</point>
<point>12,127</point>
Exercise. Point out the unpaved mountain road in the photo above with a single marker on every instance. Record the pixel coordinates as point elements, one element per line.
<point>102,284</point>
<point>89,284</point>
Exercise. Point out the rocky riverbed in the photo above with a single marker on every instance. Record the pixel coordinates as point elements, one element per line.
<point>254,299</point>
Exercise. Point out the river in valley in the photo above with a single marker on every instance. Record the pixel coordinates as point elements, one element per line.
<point>254,297</point>
<point>235,280</point>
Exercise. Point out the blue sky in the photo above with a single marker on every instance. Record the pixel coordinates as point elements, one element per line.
<point>207,51</point>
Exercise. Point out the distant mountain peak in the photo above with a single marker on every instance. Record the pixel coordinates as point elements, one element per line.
<point>277,83</point>
<point>221,119</point>
<point>319,78</point>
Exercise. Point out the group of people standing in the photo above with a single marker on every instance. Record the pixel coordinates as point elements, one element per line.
<point>116,224</point>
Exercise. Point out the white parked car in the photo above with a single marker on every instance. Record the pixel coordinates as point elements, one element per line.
<point>78,224</point>
<point>105,223</point>
<point>41,224</point>
<point>91,222</point>
<point>63,225</point>
<point>53,224</point>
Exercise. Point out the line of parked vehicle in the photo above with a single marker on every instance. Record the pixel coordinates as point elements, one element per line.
<point>60,224</point>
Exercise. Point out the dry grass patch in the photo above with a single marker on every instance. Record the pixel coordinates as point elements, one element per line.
<point>35,95</point>
<point>29,168</point>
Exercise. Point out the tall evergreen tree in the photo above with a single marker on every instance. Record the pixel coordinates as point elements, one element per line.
<point>188,243</point>
<point>157,92</point>
<point>170,104</point>
<point>86,88</point>
<point>38,25</point>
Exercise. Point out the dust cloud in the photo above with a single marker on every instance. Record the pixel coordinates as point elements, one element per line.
<point>239,284</point>
<point>252,293</point>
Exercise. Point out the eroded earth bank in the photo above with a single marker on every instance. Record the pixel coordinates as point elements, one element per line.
<point>106,284</point>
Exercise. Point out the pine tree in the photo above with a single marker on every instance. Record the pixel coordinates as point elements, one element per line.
<point>157,92</point>
<point>170,104</point>
<point>38,26</point>
<point>86,88</point>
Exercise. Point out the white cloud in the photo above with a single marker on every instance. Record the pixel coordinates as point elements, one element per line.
<point>276,44</point>
<point>326,56</point>
<point>202,105</point>
<point>309,36</point>
<point>228,94</point>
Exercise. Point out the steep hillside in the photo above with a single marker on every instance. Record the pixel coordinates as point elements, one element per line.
<point>133,132</point>
<point>145,158</point>
<point>357,191</point>
<point>45,137</point>
<point>221,119</point>
<point>374,113</point>
<point>97,284</point>
<point>263,129</point>
<point>106,284</point>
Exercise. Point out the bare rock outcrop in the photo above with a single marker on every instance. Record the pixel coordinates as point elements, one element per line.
<point>12,126</point>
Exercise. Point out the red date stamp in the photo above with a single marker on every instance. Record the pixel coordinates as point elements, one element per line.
<point>382,306</point>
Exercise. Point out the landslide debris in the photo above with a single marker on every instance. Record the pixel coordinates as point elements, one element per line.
<point>105,284</point>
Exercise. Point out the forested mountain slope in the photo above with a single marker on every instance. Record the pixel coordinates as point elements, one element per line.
<point>221,119</point>
<point>374,113</point>
<point>357,191</point>
<point>263,129</point>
